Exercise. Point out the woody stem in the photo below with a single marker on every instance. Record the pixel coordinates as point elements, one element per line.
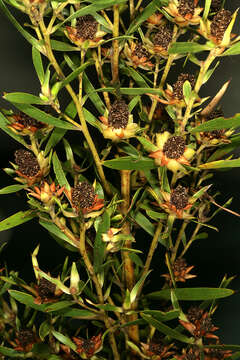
<point>128,267</point>
<point>178,241</point>
<point>78,105</point>
<point>115,59</point>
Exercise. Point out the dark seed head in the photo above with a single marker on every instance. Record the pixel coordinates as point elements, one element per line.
<point>179,198</point>
<point>178,86</point>
<point>156,349</point>
<point>215,134</point>
<point>186,7</point>
<point>28,121</point>
<point>163,37</point>
<point>174,147</point>
<point>220,23</point>
<point>215,114</point>
<point>27,162</point>
<point>180,264</point>
<point>86,27</point>
<point>194,314</point>
<point>140,51</point>
<point>25,337</point>
<point>118,115</point>
<point>46,289</point>
<point>216,354</point>
<point>83,195</point>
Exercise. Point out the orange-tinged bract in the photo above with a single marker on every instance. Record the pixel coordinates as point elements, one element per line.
<point>86,348</point>
<point>157,351</point>
<point>181,271</point>
<point>24,124</point>
<point>137,56</point>
<point>184,12</point>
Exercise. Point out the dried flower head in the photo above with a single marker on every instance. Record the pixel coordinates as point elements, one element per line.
<point>157,351</point>
<point>25,125</point>
<point>216,354</point>
<point>84,199</point>
<point>137,56</point>
<point>172,152</point>
<point>178,85</point>
<point>86,32</point>
<point>155,19</point>
<point>86,348</point>
<point>199,324</point>
<point>184,12</point>
<point>181,271</point>
<point>46,193</point>
<point>162,40</point>
<point>25,339</point>
<point>117,123</point>
<point>46,291</point>
<point>220,24</point>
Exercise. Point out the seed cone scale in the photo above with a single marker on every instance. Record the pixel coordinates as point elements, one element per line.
<point>174,147</point>
<point>118,115</point>
<point>25,337</point>
<point>178,86</point>
<point>140,51</point>
<point>27,162</point>
<point>179,197</point>
<point>83,195</point>
<point>46,288</point>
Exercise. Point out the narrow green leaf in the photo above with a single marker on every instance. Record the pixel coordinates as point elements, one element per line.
<point>128,149</point>
<point>225,149</point>
<point>52,228</point>
<point>218,124</point>
<point>11,189</point>
<point>221,164</point>
<point>233,50</point>
<point>134,291</point>
<point>167,330</point>
<point>99,245</point>
<point>91,119</point>
<point>64,339</point>
<point>23,98</point>
<point>62,46</point>
<point>17,219</point>
<point>139,91</point>
<point>137,77</point>
<point>44,329</point>
<point>163,316</point>
<point>192,294</point>
<point>11,352</point>
<point>75,73</point>
<point>54,139</point>
<point>77,313</point>
<point>148,146</point>
<point>58,170</point>
<point>38,65</point>
<point>187,47</point>
<point>43,117</point>
<point>206,9</point>
<point>187,91</point>
<point>93,96</point>
<point>130,163</point>
<point>59,306</point>
<point>26,299</point>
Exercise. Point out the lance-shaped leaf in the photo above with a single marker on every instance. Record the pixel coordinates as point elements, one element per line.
<point>62,46</point>
<point>218,124</point>
<point>44,329</point>
<point>59,306</point>
<point>225,149</point>
<point>64,339</point>
<point>11,189</point>
<point>11,352</point>
<point>187,47</point>
<point>74,74</point>
<point>43,117</point>
<point>99,245</point>
<point>38,65</point>
<point>93,96</point>
<point>206,9</point>
<point>23,98</point>
<point>137,77</point>
<point>17,219</point>
<point>26,299</point>
<point>233,50</point>
<point>148,146</point>
<point>52,228</point>
<point>163,316</point>
<point>192,294</point>
<point>54,139</point>
<point>221,164</point>
<point>174,334</point>
<point>130,163</point>
<point>54,281</point>
<point>135,289</point>
<point>60,175</point>
<point>77,313</point>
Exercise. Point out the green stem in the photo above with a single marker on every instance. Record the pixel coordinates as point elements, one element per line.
<point>178,241</point>
<point>115,67</point>
<point>131,8</point>
<point>191,239</point>
<point>78,105</point>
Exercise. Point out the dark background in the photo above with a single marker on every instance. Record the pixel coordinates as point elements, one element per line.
<point>212,257</point>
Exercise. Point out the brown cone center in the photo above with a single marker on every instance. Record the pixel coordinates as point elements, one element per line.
<point>46,289</point>
<point>86,27</point>
<point>163,37</point>
<point>27,162</point>
<point>118,115</point>
<point>179,197</point>
<point>186,7</point>
<point>174,147</point>
<point>220,23</point>
<point>83,195</point>
<point>140,51</point>
<point>178,86</point>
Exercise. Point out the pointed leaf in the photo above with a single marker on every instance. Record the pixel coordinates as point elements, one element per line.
<point>94,97</point>
<point>99,245</point>
<point>11,352</point>
<point>44,329</point>
<point>17,219</point>
<point>163,316</point>
<point>187,47</point>
<point>5,128</point>
<point>221,164</point>
<point>233,50</point>
<point>23,98</point>
<point>130,163</point>
<point>75,73</point>
<point>77,313</point>
<point>135,289</point>
<point>26,299</point>
<point>58,170</point>
<point>62,46</point>
<point>38,65</point>
<point>164,329</point>
<point>11,189</point>
<point>192,294</point>
<point>54,139</point>
<point>218,124</point>
<point>64,339</point>
<point>52,228</point>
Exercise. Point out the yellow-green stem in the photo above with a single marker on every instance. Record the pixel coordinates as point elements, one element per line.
<point>78,105</point>
<point>191,239</point>
<point>115,59</point>
<point>131,8</point>
<point>178,241</point>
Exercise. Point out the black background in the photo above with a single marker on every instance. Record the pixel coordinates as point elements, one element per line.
<point>212,257</point>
